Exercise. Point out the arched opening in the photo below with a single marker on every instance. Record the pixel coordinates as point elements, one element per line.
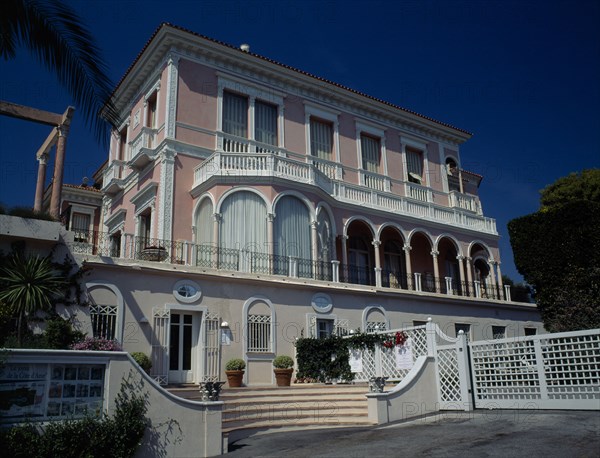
<point>243,229</point>
<point>422,262</point>
<point>393,274</point>
<point>449,267</point>
<point>292,235</point>
<point>453,175</point>
<point>481,272</point>
<point>375,319</point>
<point>361,256</point>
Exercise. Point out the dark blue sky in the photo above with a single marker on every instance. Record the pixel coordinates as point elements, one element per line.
<point>523,76</point>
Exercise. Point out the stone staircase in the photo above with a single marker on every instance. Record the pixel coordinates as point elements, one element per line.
<point>249,409</point>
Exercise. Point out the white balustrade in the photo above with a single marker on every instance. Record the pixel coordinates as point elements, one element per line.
<point>145,139</point>
<point>418,192</point>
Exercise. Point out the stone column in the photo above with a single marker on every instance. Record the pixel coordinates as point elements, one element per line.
<point>461,270</point>
<point>315,243</point>
<point>344,273</point>
<point>216,238</point>
<point>409,274</point>
<point>270,242</point>
<point>469,261</point>
<point>500,282</point>
<point>41,181</point>
<point>59,164</point>
<point>376,245</point>
<point>436,271</point>
<point>491,264</point>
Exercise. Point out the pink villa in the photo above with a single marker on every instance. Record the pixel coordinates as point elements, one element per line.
<point>246,203</point>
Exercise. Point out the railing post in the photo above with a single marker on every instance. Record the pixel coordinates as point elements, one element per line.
<point>378,281</point>
<point>449,290</point>
<point>335,270</point>
<point>293,267</point>
<point>507,293</point>
<point>194,254</point>
<point>462,357</point>
<point>477,288</point>
<point>378,365</point>
<point>540,369</point>
<point>418,287</point>
<point>430,332</point>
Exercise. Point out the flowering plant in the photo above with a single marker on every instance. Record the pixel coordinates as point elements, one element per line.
<point>399,340</point>
<point>97,344</point>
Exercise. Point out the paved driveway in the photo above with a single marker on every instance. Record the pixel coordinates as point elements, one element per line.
<point>493,433</point>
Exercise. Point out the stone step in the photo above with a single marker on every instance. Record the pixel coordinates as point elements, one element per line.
<point>312,422</point>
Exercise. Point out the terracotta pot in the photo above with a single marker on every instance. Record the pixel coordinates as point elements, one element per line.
<point>234,378</point>
<point>283,376</point>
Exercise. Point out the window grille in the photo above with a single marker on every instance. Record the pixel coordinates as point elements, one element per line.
<point>104,321</point>
<point>373,326</point>
<point>498,332</point>
<point>259,333</point>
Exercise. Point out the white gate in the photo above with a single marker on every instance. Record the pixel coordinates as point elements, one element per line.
<point>211,357</point>
<point>549,371</point>
<point>160,344</point>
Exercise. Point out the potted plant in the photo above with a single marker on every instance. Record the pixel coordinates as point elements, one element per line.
<point>283,368</point>
<point>234,369</point>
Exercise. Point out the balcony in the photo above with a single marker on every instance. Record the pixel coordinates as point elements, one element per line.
<point>129,247</point>
<point>465,202</point>
<point>113,178</point>
<point>142,148</point>
<point>418,205</point>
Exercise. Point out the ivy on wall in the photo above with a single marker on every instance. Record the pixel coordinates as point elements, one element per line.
<point>328,359</point>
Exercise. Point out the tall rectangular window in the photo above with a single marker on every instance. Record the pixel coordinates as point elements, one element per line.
<point>81,227</point>
<point>259,333</point>
<point>321,139</point>
<point>371,153</point>
<point>151,111</point>
<point>235,114</point>
<point>122,153</point>
<point>414,164</point>
<point>265,123</point>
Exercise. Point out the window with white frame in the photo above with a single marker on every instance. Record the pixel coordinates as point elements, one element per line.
<point>122,154</point>
<point>259,333</point>
<point>265,123</point>
<point>371,153</point>
<point>235,114</point>
<point>414,165</point>
<point>530,331</point>
<point>104,321</point>
<point>321,139</point>
<point>151,104</point>
<point>80,226</point>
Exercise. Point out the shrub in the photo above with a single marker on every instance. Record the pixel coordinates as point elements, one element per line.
<point>59,334</point>
<point>26,212</point>
<point>283,362</point>
<point>235,364</point>
<point>97,344</point>
<point>143,360</point>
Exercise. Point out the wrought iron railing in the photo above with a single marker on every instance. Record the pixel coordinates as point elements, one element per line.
<point>209,256</point>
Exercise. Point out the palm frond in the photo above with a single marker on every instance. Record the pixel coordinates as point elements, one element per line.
<point>56,36</point>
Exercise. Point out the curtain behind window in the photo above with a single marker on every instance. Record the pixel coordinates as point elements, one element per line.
<point>292,228</point>
<point>321,139</point>
<point>370,153</point>
<point>235,114</point>
<point>265,123</point>
<point>244,222</point>
<point>204,223</point>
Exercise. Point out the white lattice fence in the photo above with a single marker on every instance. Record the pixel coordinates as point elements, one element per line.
<point>160,345</point>
<point>448,377</point>
<point>552,371</point>
<point>212,348</point>
<point>381,362</point>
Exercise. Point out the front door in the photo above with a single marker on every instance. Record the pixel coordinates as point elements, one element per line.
<point>182,347</point>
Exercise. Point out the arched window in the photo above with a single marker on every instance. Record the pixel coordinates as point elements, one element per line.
<point>374,319</point>
<point>258,331</point>
<point>394,275</point>
<point>244,222</point>
<point>204,222</point>
<point>106,311</point>
<point>292,233</point>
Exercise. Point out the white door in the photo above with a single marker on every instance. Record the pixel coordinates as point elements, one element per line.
<point>182,346</point>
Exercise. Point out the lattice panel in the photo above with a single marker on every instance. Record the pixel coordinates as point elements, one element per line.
<point>449,379</point>
<point>505,370</point>
<point>374,326</point>
<point>160,349</point>
<point>212,347</point>
<point>341,327</point>
<point>368,365</point>
<point>572,366</point>
<point>388,366</point>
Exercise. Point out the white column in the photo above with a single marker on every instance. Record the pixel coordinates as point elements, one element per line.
<point>500,282</point>
<point>376,245</point>
<point>491,264</point>
<point>469,261</point>
<point>461,270</point>
<point>436,271</point>
<point>409,276</point>
<point>216,238</point>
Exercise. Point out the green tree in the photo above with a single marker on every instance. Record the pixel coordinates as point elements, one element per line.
<point>56,36</point>
<point>28,285</point>
<point>557,250</point>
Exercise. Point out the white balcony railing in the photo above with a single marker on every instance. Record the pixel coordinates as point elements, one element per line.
<point>233,144</point>
<point>375,181</point>
<point>419,192</point>
<point>465,201</point>
<point>419,203</point>
<point>114,171</point>
<point>145,139</point>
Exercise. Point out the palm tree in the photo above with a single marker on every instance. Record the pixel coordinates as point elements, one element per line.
<point>54,33</point>
<point>28,285</point>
